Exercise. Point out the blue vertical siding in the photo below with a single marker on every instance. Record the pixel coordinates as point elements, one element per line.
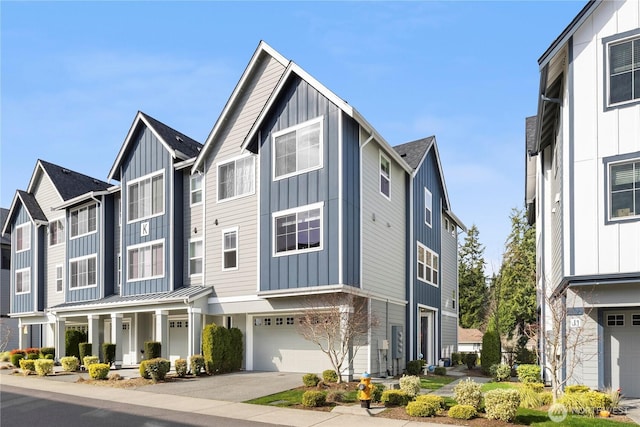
<point>80,247</point>
<point>351,201</point>
<point>24,302</point>
<point>40,261</point>
<point>148,155</point>
<point>110,224</point>
<point>178,229</point>
<point>298,103</point>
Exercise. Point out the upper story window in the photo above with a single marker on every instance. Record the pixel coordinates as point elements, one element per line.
<point>83,221</point>
<point>624,71</point>
<point>428,207</point>
<point>230,249</point>
<point>428,266</point>
<point>236,178</point>
<point>298,230</point>
<point>624,188</point>
<point>145,261</point>
<point>59,278</point>
<point>298,149</point>
<point>195,257</point>
<point>385,176</point>
<point>196,189</point>
<point>82,272</point>
<point>23,237</point>
<point>56,232</point>
<point>23,281</point>
<point>146,196</point>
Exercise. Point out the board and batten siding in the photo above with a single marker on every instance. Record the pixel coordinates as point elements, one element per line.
<point>384,227</point>
<point>147,156</point>
<point>193,228</point>
<point>23,303</point>
<point>117,248</point>
<point>600,247</point>
<point>242,212</point>
<point>350,201</point>
<point>298,103</point>
<point>82,246</point>
<point>449,290</point>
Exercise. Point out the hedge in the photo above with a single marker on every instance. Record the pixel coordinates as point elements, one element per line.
<point>108,353</point>
<point>152,349</point>
<point>72,340</point>
<point>221,348</point>
<point>85,349</point>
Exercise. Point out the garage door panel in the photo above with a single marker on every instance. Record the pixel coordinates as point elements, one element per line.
<point>622,352</point>
<point>178,339</point>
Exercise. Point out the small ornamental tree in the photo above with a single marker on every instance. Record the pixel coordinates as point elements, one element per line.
<point>491,350</point>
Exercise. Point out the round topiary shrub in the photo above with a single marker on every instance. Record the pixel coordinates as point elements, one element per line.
<point>181,367</point>
<point>33,356</point>
<point>528,373</point>
<point>394,398</point>
<point>410,384</point>
<point>414,367</point>
<point>70,363</point>
<point>468,392</point>
<point>44,367</point>
<point>432,399</point>
<point>313,399</point>
<point>421,408</point>
<point>28,366</point>
<point>329,376</point>
<point>99,371</point>
<point>440,370</point>
<point>501,404</point>
<point>90,360</point>
<point>310,380</point>
<point>462,412</point>
<point>158,368</point>
<point>16,358</point>
<point>143,370</point>
<point>45,351</point>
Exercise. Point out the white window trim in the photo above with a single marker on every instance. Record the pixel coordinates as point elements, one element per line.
<point>143,245</point>
<point>119,269</point>
<point>82,258</point>
<point>380,157</point>
<point>189,257</point>
<point>164,195</point>
<point>64,224</point>
<point>278,214</point>
<point>191,190</point>
<point>427,192</point>
<point>437,285</point>
<point>235,159</point>
<point>222,250</point>
<point>22,271</point>
<point>61,266</point>
<point>607,58</point>
<point>292,129</point>
<point>26,225</point>
<point>87,206</point>
<point>609,165</point>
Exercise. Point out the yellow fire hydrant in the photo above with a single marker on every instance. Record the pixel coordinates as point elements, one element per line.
<point>365,390</point>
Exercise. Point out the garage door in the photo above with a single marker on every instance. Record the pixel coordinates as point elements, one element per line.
<point>278,347</point>
<point>178,339</point>
<point>622,351</point>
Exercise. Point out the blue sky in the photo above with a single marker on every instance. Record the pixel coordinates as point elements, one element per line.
<point>74,74</point>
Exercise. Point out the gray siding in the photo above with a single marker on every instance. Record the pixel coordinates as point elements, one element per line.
<point>388,314</point>
<point>24,302</point>
<point>193,227</point>
<point>80,247</point>
<point>117,248</point>
<point>449,337</point>
<point>298,103</point>
<point>449,290</point>
<point>350,201</point>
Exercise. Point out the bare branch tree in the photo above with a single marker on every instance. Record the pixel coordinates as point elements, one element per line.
<point>338,324</point>
<point>5,335</point>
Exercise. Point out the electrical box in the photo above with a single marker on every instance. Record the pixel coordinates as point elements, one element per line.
<point>383,344</point>
<point>397,342</point>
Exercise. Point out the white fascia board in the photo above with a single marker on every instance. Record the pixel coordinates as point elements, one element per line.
<point>10,213</point>
<point>262,48</point>
<point>86,196</point>
<point>32,180</point>
<point>184,164</point>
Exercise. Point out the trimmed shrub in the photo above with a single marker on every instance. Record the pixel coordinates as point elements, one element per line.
<point>394,398</point>
<point>72,340</point>
<point>491,350</point>
<point>109,353</point>
<point>32,350</point>
<point>432,398</point>
<point>425,406</point>
<point>70,363</point>
<point>376,393</point>
<point>455,359</point>
<point>577,388</point>
<point>16,357</point>
<point>576,403</point>
<point>410,384</point>
<point>215,348</point>
<point>500,372</point>
<point>469,393</point>
<point>99,371</point>
<point>33,356</point>
<point>197,364</point>
<point>524,355</point>
<point>313,399</point>
<point>598,400</point>
<point>236,350</point>
<point>335,396</point>
<point>329,376</point>
<point>529,397</point>
<point>414,367</point>
<point>501,404</point>
<point>85,349</point>
<point>470,360</point>
<point>440,370</point>
<point>528,373</point>
<point>44,351</point>
<point>462,412</point>
<point>546,398</point>
<point>48,356</point>
<point>181,367</point>
<point>158,368</point>
<point>90,360</point>
<point>143,370</point>
<point>310,380</point>
<point>537,387</point>
<point>44,367</point>
<point>152,349</point>
<point>28,366</point>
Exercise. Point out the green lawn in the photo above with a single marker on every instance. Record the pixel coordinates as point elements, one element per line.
<point>294,397</point>
<point>495,386</point>
<point>435,382</point>
<point>532,417</point>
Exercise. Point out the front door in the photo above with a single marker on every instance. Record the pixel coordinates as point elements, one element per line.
<point>125,341</point>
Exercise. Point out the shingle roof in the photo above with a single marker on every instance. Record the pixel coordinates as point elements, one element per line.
<point>31,205</point>
<point>469,335</point>
<point>413,152</point>
<point>531,123</point>
<point>176,140</point>
<point>72,184</point>
<point>5,239</point>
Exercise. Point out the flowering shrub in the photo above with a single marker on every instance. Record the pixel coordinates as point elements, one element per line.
<point>501,404</point>
<point>462,412</point>
<point>70,363</point>
<point>44,367</point>
<point>410,384</point>
<point>468,392</point>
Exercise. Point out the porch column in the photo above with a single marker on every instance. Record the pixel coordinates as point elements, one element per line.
<point>116,337</point>
<point>248,341</point>
<point>94,334</point>
<point>195,332</point>
<point>346,312</point>
<point>59,332</point>
<point>162,332</point>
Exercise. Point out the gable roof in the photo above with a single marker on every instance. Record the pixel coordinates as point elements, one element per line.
<point>469,335</point>
<point>68,183</point>
<point>5,239</point>
<point>179,145</point>
<point>31,206</point>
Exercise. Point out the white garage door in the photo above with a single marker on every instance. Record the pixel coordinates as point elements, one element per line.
<point>622,351</point>
<point>178,339</point>
<point>278,347</point>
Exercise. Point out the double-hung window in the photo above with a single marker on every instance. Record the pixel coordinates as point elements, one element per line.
<point>56,232</point>
<point>23,237</point>
<point>83,220</point>
<point>59,278</point>
<point>82,272</point>
<point>230,249</point>
<point>428,207</point>
<point>196,189</point>
<point>298,230</point>
<point>385,176</point>
<point>195,257</point>
<point>145,261</point>
<point>624,189</point>
<point>298,149</point>
<point>236,178</point>
<point>146,197</point>
<point>23,281</point>
<point>428,266</point>
<point>624,71</point>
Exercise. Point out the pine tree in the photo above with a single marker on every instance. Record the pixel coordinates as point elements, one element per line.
<point>472,281</point>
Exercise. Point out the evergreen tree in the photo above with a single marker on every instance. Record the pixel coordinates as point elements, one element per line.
<point>472,281</point>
